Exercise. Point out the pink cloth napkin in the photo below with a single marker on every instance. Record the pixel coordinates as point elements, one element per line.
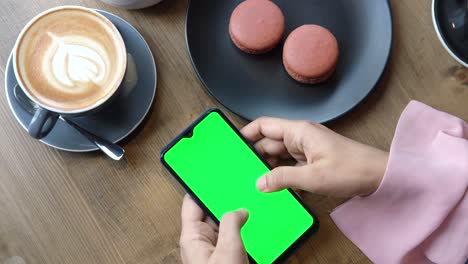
<point>419,214</point>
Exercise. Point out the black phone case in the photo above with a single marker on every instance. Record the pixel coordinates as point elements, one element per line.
<point>187,132</point>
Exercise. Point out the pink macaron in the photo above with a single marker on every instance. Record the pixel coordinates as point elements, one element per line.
<point>256,26</point>
<point>310,54</point>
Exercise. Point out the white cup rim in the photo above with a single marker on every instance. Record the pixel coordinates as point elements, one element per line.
<point>441,38</point>
<point>52,109</point>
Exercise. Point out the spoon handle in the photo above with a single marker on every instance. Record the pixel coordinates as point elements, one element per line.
<point>112,150</point>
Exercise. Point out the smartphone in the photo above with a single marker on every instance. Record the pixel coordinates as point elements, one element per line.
<point>219,169</point>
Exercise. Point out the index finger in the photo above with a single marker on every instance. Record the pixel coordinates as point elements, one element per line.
<point>191,212</point>
<point>269,127</point>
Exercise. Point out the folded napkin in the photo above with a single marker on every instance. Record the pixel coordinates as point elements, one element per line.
<point>419,213</point>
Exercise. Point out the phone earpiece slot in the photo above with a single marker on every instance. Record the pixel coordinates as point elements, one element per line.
<point>189,133</point>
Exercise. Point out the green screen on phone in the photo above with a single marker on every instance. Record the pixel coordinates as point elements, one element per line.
<point>221,170</point>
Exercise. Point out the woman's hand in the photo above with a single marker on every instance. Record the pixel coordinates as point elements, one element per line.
<point>326,162</point>
<point>202,242</point>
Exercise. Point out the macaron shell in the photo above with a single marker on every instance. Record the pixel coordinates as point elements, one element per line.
<point>310,53</point>
<point>256,26</point>
<point>308,80</point>
<point>249,50</point>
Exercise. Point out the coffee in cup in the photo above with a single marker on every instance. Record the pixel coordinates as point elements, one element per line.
<point>69,60</point>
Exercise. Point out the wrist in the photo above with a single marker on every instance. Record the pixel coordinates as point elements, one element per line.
<point>377,170</point>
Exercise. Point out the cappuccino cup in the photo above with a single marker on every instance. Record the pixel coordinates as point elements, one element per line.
<point>70,61</point>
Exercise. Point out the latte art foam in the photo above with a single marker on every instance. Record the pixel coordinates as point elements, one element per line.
<point>74,64</point>
<point>70,59</point>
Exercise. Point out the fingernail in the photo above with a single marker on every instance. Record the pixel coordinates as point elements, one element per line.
<point>244,214</point>
<point>243,211</point>
<point>262,184</point>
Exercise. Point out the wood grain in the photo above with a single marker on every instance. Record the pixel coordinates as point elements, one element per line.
<point>59,207</point>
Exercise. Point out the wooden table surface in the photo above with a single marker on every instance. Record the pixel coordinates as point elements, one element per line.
<point>59,207</point>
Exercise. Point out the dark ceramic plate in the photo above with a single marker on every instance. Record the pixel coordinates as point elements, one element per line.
<point>451,24</point>
<point>117,120</point>
<point>257,85</point>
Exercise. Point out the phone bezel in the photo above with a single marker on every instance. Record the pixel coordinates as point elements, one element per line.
<point>294,246</point>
